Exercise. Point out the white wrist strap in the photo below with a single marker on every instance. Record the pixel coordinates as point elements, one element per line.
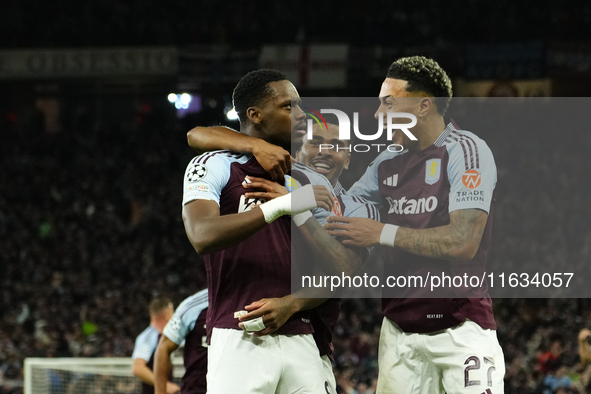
<point>303,200</point>
<point>301,218</point>
<point>254,325</point>
<point>276,208</point>
<point>388,235</point>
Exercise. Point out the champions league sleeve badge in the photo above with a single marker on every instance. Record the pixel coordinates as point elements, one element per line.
<point>196,172</point>
<point>432,171</point>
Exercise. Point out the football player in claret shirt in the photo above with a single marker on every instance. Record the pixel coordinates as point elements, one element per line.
<point>186,328</point>
<point>246,248</point>
<point>437,198</point>
<point>330,164</point>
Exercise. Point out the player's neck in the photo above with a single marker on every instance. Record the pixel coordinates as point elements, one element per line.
<point>157,325</point>
<point>430,132</point>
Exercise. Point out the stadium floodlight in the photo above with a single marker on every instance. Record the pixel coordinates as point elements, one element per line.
<point>185,98</point>
<point>232,114</point>
<point>172,97</point>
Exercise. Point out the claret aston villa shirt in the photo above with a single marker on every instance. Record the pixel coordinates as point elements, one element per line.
<point>419,190</point>
<point>258,267</point>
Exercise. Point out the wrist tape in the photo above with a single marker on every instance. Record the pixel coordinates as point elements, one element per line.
<point>301,218</point>
<point>388,235</point>
<point>254,325</point>
<point>299,201</point>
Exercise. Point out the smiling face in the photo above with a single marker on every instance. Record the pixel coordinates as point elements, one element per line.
<point>282,121</point>
<point>325,160</point>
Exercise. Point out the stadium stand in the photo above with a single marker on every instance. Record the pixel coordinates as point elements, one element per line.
<point>90,230</point>
<point>90,225</point>
<point>241,24</point>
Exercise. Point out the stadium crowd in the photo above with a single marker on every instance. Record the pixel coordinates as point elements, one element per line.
<point>90,230</point>
<point>245,24</point>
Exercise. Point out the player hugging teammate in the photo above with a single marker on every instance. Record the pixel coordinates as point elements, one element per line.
<point>457,352</point>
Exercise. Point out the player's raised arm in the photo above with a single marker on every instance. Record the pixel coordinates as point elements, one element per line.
<point>162,366</point>
<point>274,159</point>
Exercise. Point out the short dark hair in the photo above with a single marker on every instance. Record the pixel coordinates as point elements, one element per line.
<point>424,75</point>
<point>254,88</point>
<point>158,304</point>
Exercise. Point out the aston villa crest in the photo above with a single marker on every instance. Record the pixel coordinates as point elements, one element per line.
<point>432,171</point>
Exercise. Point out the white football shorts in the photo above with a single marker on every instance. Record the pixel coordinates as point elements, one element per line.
<point>465,359</point>
<point>330,385</point>
<point>239,362</point>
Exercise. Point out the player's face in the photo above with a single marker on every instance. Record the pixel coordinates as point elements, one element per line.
<point>324,159</point>
<point>283,119</point>
<point>395,98</point>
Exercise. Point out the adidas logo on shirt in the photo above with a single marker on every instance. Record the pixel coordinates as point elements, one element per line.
<point>391,180</point>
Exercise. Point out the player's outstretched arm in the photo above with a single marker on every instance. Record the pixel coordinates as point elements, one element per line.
<point>459,240</point>
<point>274,159</point>
<point>162,367</point>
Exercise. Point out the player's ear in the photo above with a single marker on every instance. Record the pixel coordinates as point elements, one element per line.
<point>255,115</point>
<point>426,105</point>
<point>347,162</point>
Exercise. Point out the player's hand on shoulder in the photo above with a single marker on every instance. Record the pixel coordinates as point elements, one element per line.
<point>271,189</point>
<point>274,159</point>
<point>172,388</point>
<point>274,311</point>
<point>324,197</point>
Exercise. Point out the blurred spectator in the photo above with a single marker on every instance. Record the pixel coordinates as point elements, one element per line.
<point>550,360</point>
<point>112,23</point>
<point>585,346</point>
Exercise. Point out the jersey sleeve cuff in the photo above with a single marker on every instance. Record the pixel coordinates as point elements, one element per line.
<point>190,197</point>
<point>174,338</point>
<point>482,207</point>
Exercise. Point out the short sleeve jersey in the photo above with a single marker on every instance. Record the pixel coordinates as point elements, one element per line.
<point>145,344</point>
<point>187,326</point>
<point>145,347</point>
<point>419,190</point>
<point>257,267</point>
